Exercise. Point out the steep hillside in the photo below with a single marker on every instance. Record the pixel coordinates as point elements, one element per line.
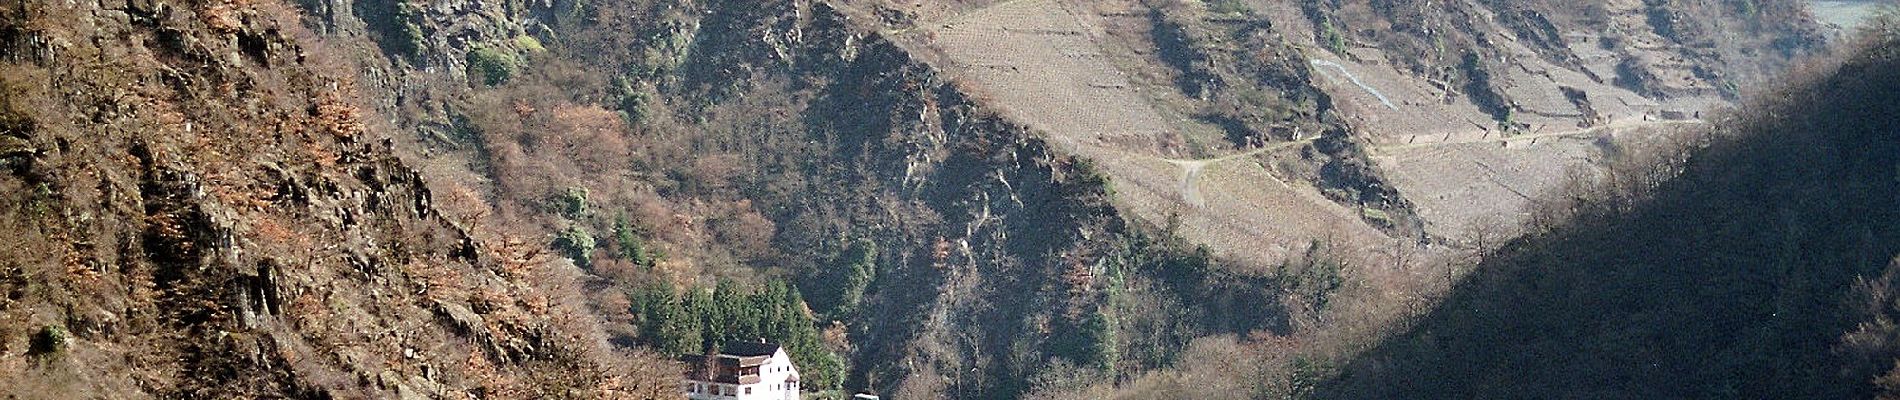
<point>930,199</point>
<point>1492,99</point>
<point>1738,269</point>
<point>789,143</point>
<point>195,207</point>
<point>1393,135</point>
<point>1264,124</point>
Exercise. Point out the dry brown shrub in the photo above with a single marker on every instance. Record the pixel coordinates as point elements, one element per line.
<point>639,374</point>
<point>655,214</point>
<point>269,230</point>
<point>434,281</point>
<point>492,380</point>
<point>458,201</point>
<point>337,116</point>
<point>680,271</point>
<point>613,305</point>
<point>308,311</point>
<point>220,19</point>
<point>616,269</point>
<point>320,154</point>
<point>940,251</point>
<point>518,259</point>
<point>836,336</point>
<point>716,171</point>
<point>591,136</point>
<point>748,233</point>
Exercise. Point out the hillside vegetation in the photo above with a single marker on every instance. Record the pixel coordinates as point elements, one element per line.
<point>194,206</point>
<point>927,199</point>
<point>1756,266</point>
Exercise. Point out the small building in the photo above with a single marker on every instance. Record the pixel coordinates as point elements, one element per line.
<point>741,371</point>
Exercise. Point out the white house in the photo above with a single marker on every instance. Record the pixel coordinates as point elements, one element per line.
<point>742,371</point>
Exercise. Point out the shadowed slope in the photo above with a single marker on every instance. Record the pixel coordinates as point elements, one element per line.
<point>1728,280</point>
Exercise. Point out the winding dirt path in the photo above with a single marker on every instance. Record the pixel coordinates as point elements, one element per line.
<point>1191,168</point>
<point>1623,124</point>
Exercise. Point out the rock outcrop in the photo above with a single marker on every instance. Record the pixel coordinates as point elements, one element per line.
<point>196,199</point>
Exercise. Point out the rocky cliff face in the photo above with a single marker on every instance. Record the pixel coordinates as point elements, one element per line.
<point>199,208</point>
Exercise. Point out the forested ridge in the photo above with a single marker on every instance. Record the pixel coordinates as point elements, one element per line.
<point>1735,267</point>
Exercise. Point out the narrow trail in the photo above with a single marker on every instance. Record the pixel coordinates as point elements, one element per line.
<point>1624,124</point>
<point>1191,168</point>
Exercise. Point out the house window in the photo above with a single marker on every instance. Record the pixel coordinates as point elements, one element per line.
<point>748,390</point>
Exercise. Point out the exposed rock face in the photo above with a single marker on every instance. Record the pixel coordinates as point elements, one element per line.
<point>196,198</point>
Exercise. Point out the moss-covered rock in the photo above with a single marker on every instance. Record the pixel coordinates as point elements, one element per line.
<point>492,65</point>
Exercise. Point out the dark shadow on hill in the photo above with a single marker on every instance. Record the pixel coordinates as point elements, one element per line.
<point>1730,280</point>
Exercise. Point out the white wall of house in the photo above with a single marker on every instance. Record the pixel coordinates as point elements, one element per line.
<point>772,379</point>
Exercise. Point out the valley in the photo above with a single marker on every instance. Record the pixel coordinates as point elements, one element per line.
<point>953,199</point>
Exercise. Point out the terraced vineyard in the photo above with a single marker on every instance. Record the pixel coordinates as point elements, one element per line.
<point>1071,70</point>
<point>1044,63</point>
